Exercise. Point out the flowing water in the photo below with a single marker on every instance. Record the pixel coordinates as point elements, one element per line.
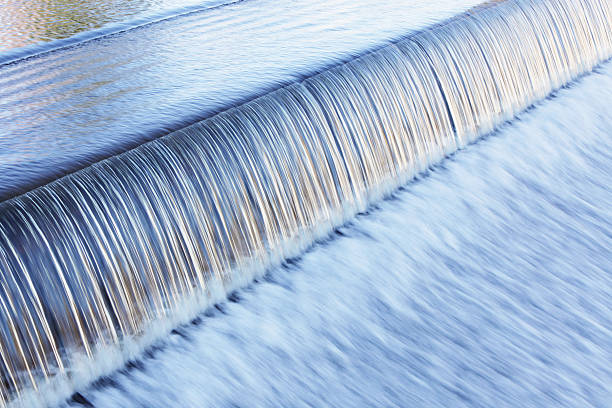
<point>110,257</point>
<point>485,283</point>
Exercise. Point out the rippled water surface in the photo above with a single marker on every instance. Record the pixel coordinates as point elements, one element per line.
<point>63,110</point>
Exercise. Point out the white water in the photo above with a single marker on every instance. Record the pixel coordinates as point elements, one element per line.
<point>485,283</point>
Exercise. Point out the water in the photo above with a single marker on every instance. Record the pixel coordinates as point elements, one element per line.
<point>65,110</point>
<point>484,283</point>
<point>27,22</point>
<point>99,264</point>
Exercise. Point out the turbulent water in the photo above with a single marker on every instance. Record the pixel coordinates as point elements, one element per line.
<point>485,283</point>
<point>99,264</point>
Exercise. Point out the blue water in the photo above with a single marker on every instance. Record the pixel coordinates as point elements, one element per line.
<point>61,111</point>
<point>484,283</point>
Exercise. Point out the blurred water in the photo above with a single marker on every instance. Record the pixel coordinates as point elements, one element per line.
<point>64,110</point>
<point>97,265</point>
<point>485,283</point>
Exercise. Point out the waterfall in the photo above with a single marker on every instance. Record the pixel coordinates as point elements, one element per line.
<point>101,255</point>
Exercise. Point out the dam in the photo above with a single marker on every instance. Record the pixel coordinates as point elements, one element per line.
<point>129,232</point>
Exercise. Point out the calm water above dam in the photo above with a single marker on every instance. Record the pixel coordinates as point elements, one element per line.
<point>64,110</point>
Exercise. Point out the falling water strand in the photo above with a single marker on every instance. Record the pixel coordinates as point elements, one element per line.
<point>97,257</point>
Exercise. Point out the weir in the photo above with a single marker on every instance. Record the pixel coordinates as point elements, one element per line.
<point>101,255</point>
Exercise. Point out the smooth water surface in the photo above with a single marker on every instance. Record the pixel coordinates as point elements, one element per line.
<point>26,22</point>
